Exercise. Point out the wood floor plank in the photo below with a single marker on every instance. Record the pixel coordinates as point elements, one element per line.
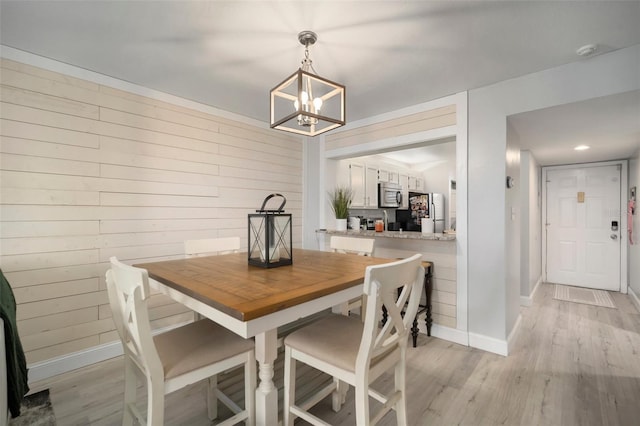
<point>570,364</point>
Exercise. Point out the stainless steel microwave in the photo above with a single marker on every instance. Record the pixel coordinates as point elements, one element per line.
<point>389,195</point>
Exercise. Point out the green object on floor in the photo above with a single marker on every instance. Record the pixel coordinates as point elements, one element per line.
<point>17,373</point>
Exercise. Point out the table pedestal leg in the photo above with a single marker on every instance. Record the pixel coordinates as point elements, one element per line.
<point>266,392</point>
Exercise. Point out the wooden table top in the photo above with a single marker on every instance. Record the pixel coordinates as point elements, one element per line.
<point>228,283</point>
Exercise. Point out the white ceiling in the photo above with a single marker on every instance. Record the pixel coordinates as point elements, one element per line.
<point>389,54</point>
<point>609,125</point>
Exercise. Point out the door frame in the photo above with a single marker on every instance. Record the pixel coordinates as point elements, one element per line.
<point>624,190</point>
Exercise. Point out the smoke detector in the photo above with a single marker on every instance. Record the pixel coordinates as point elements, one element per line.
<point>587,50</point>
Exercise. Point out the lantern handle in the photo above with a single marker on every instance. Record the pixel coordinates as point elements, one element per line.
<point>270,196</point>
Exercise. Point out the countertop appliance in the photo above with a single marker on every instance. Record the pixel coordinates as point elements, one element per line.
<point>389,195</point>
<point>421,205</point>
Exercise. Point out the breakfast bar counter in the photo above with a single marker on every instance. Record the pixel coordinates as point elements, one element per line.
<point>407,235</point>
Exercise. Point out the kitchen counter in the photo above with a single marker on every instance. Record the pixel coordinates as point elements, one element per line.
<point>407,235</point>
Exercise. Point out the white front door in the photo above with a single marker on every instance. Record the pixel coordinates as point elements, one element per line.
<point>583,209</point>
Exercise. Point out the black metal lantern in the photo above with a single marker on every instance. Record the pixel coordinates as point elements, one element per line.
<point>270,236</point>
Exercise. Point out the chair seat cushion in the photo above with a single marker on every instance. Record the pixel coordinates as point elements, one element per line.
<point>334,339</point>
<point>197,345</point>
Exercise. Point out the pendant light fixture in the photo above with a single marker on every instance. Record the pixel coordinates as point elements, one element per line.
<point>306,103</point>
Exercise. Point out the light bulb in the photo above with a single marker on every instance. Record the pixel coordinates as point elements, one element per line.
<point>317,103</point>
<point>304,96</point>
<point>296,105</point>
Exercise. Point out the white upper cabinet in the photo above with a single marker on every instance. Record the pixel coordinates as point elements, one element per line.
<point>388,176</point>
<point>363,181</point>
<point>415,184</point>
<point>411,183</point>
<point>356,182</point>
<point>371,187</point>
<point>404,183</point>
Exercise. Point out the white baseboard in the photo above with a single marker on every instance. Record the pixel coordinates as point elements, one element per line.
<point>634,298</point>
<point>444,333</point>
<point>528,300</point>
<point>514,331</point>
<point>63,364</point>
<point>449,334</point>
<point>53,367</point>
<point>489,344</point>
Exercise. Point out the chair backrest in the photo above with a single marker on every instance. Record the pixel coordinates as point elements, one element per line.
<point>211,246</point>
<point>128,290</point>
<point>381,285</point>
<point>360,246</point>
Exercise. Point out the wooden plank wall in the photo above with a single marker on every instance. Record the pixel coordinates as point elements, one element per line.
<point>443,256</point>
<point>88,172</point>
<point>413,123</point>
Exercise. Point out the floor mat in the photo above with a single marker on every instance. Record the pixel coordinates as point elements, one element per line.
<point>35,410</point>
<point>584,295</point>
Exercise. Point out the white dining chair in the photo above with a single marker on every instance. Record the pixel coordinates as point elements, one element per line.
<point>357,246</point>
<point>352,245</point>
<point>356,352</point>
<point>211,246</point>
<point>174,359</point>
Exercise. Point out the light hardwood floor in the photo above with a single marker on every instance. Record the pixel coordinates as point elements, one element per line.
<point>571,364</point>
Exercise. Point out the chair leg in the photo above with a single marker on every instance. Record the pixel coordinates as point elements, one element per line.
<point>362,403</point>
<point>250,379</point>
<point>130,385</point>
<point>289,387</point>
<point>400,386</point>
<point>155,402</point>
<point>212,399</point>
<point>414,331</point>
<point>339,395</point>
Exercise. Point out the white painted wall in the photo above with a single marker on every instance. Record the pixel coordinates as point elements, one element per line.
<point>311,202</point>
<point>634,250</point>
<point>531,254</point>
<point>490,307</point>
<point>512,234</point>
<point>436,179</point>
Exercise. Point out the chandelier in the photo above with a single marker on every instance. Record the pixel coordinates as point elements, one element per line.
<point>306,103</point>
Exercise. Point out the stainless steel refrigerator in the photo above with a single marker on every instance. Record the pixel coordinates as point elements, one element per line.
<point>430,205</point>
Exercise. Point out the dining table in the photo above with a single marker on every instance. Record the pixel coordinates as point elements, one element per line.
<point>254,302</point>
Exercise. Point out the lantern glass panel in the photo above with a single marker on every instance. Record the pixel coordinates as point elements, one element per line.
<point>270,239</point>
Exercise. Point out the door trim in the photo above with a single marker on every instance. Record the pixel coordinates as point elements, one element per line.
<point>624,235</point>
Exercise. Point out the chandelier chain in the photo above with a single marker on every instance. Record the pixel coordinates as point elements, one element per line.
<point>307,63</point>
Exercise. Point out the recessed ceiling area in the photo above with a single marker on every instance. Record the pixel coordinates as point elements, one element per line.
<point>423,158</point>
<point>609,125</point>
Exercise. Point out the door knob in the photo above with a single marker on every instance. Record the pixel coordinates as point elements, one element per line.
<point>614,236</point>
